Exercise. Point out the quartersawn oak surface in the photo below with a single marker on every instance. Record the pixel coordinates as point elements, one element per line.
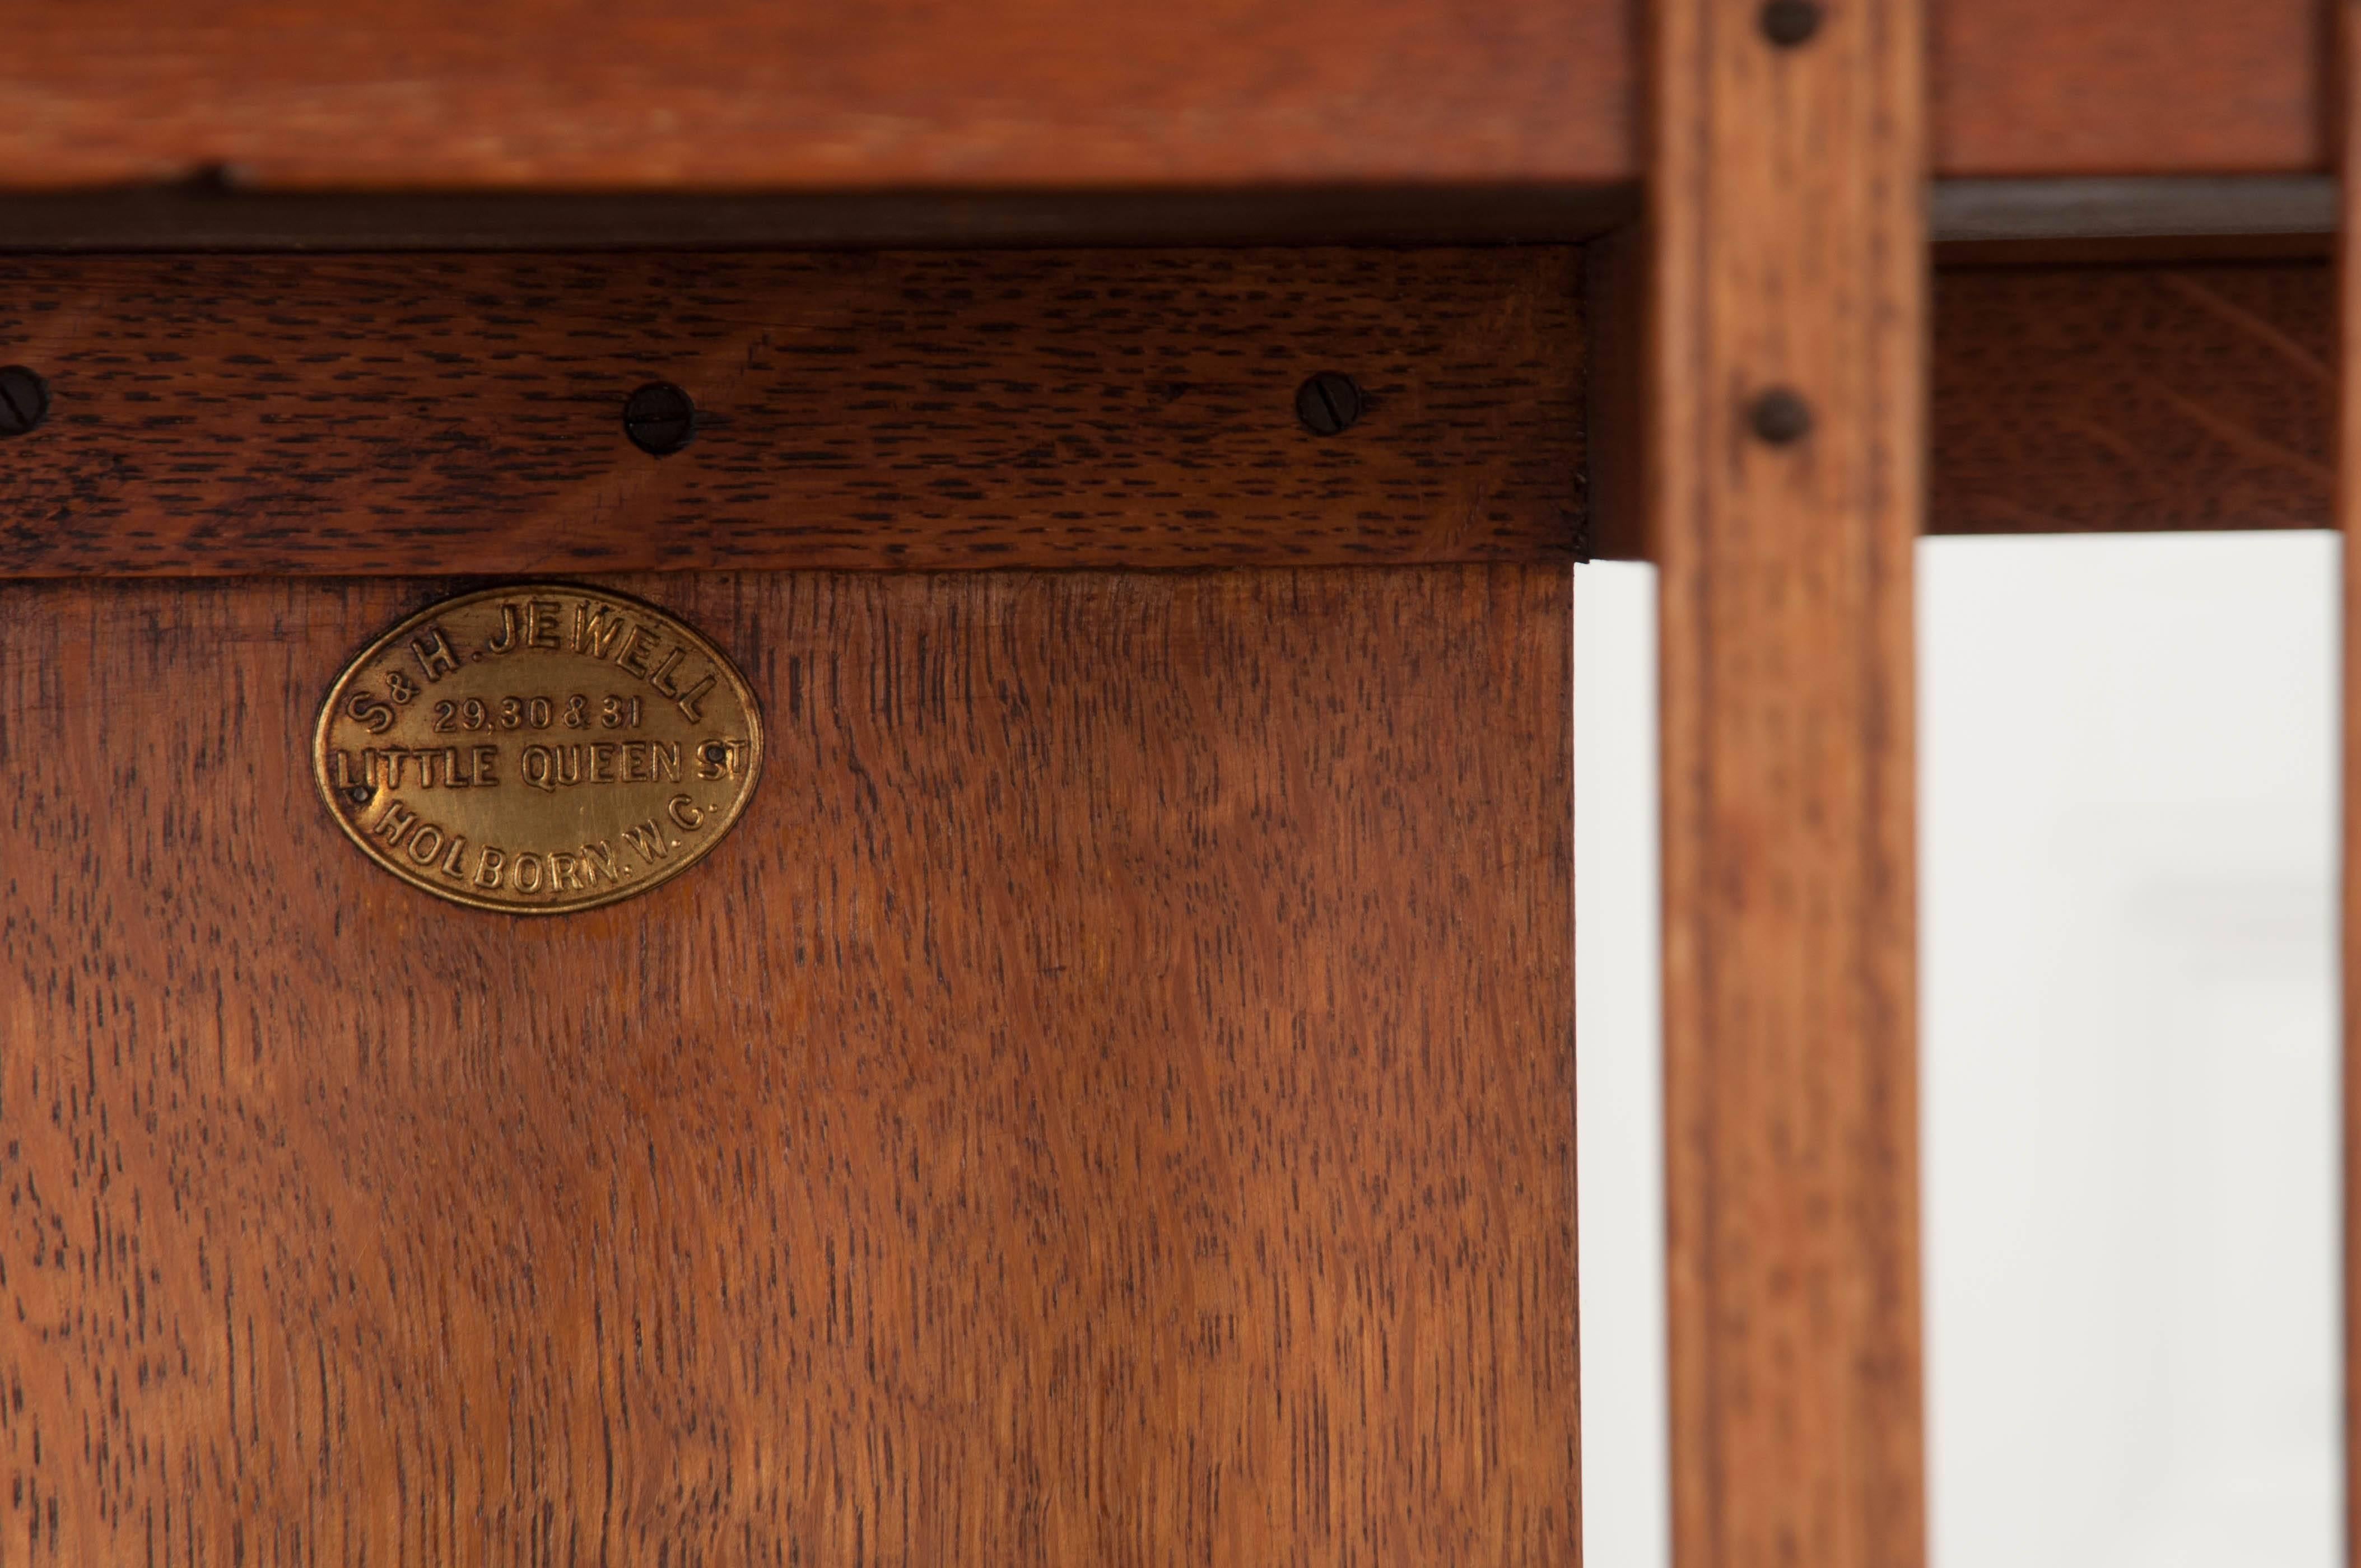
<point>2102,398</point>
<point>1110,1101</point>
<point>202,428</point>
<point>221,415</point>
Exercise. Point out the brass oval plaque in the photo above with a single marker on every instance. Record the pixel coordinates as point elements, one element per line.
<point>538,749</point>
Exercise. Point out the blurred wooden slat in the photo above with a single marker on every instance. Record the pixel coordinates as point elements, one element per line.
<point>2028,87</point>
<point>2137,398</point>
<point>1072,95</point>
<point>749,94</point>
<point>1110,1101</point>
<point>1789,253</point>
<point>219,415</point>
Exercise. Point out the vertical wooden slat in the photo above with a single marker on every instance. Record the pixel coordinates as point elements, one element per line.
<point>1786,204</point>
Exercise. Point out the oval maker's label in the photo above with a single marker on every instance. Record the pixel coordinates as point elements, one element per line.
<point>538,749</point>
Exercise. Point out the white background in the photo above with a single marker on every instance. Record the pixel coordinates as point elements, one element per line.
<point>2127,846</point>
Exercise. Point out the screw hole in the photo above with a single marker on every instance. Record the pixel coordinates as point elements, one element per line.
<point>359,794</point>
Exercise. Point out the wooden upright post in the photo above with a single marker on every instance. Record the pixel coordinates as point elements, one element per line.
<point>1784,493</point>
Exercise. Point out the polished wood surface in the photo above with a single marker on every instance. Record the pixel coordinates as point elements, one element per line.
<point>2132,398</point>
<point>1109,1102</point>
<point>479,430</point>
<point>1789,253</point>
<point>215,415</point>
<point>928,95</point>
<point>1615,308</point>
<point>755,93</point>
<point>2049,87</point>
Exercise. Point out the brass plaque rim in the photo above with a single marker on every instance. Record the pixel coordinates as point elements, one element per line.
<point>673,621</point>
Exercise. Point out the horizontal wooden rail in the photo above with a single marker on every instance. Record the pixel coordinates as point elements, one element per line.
<point>234,414</point>
<point>2141,398</point>
<point>991,94</point>
<point>2080,400</point>
<point>226,415</point>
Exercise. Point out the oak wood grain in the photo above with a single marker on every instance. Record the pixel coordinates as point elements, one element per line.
<point>2132,398</point>
<point>1109,1102</point>
<point>1616,282</point>
<point>746,95</point>
<point>1789,252</point>
<point>219,415</point>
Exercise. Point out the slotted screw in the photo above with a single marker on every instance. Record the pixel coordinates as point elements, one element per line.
<point>660,419</point>
<point>23,399</point>
<point>1329,404</point>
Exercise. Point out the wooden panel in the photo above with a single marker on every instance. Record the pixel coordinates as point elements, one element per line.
<point>1615,307</point>
<point>575,93</point>
<point>237,414</point>
<point>2129,86</point>
<point>1109,1103</point>
<point>2076,400</point>
<point>2066,399</point>
<point>746,94</point>
<point>1786,367</point>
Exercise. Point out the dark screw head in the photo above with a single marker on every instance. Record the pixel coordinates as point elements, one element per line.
<point>660,419</point>
<point>360,794</point>
<point>1780,416</point>
<point>1788,23</point>
<point>1328,403</point>
<point>23,399</point>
